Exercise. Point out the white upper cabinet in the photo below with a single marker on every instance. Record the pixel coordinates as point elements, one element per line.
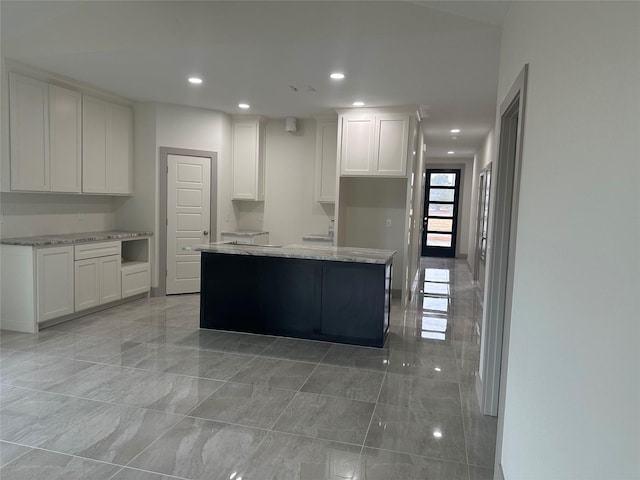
<point>248,159</point>
<point>326,153</point>
<point>119,149</point>
<point>65,139</point>
<point>29,133</point>
<point>107,145</point>
<point>374,144</point>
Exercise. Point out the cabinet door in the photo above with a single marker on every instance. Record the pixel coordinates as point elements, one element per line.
<point>29,133</point>
<point>87,274</point>
<point>326,152</point>
<point>65,139</point>
<point>391,138</point>
<point>110,278</point>
<point>54,268</point>
<point>245,160</point>
<point>94,145</point>
<point>119,144</point>
<point>357,145</point>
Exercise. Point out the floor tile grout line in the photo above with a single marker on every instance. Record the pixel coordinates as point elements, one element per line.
<point>59,452</point>
<point>373,413</point>
<point>292,399</point>
<point>19,456</point>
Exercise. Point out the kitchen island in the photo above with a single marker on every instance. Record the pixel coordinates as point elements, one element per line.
<point>337,294</point>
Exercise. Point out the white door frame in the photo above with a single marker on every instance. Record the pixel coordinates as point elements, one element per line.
<point>501,246</point>
<point>164,152</point>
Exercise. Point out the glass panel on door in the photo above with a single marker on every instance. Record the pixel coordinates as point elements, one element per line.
<point>441,210</point>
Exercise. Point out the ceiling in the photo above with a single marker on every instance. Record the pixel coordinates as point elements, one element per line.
<point>441,55</point>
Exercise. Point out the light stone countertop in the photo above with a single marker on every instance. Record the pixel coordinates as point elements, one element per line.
<point>73,238</point>
<point>243,233</point>
<point>308,252</point>
<point>323,237</point>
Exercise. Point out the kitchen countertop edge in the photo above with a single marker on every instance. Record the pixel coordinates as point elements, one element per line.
<point>72,238</point>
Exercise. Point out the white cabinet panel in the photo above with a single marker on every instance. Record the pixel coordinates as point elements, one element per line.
<point>135,279</point>
<point>119,149</point>
<point>29,133</point>
<point>374,144</point>
<point>65,139</point>
<point>107,147</point>
<point>392,136</point>
<point>110,278</point>
<point>357,145</point>
<point>94,145</point>
<point>55,275</point>
<point>87,283</point>
<point>248,159</point>
<point>326,153</point>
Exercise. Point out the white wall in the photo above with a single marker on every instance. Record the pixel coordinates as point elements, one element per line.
<point>484,156</point>
<point>572,406</point>
<point>162,125</point>
<point>290,210</point>
<point>28,214</point>
<point>464,201</point>
<point>365,206</point>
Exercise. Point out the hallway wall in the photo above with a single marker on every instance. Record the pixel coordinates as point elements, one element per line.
<point>573,390</point>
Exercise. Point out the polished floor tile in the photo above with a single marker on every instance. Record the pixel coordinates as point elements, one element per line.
<point>330,418</point>
<point>383,465</point>
<point>184,361</point>
<point>273,372</point>
<point>357,357</point>
<point>353,383</point>
<point>414,431</point>
<point>143,389</point>
<point>138,388</point>
<point>294,349</point>
<point>290,457</point>
<point>243,404</point>
<point>85,428</point>
<point>421,393</point>
<point>200,449</point>
<point>238,343</point>
<point>41,465</point>
<point>132,474</point>
<point>32,370</point>
<point>9,452</point>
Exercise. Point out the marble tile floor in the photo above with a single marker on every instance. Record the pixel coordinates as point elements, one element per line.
<point>140,392</point>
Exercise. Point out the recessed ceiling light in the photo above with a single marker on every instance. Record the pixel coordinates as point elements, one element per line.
<point>244,105</point>
<point>195,80</point>
<point>451,152</point>
<point>358,104</point>
<point>337,75</point>
<point>455,130</point>
<point>437,433</point>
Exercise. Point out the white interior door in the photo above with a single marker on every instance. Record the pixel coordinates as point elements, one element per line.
<point>188,217</point>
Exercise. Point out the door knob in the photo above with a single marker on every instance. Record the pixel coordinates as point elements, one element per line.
<point>206,232</point>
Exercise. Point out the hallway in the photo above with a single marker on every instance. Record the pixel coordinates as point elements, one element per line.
<point>139,392</point>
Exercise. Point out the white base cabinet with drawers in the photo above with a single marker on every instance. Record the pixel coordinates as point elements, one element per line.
<point>97,274</point>
<point>43,284</point>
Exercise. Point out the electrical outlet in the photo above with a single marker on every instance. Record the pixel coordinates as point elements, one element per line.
<point>388,222</point>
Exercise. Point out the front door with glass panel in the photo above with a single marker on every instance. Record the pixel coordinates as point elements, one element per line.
<point>440,213</point>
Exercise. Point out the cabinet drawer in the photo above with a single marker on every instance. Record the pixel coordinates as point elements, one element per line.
<point>135,279</point>
<point>94,250</point>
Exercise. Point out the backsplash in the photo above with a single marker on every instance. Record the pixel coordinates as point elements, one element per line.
<point>27,214</point>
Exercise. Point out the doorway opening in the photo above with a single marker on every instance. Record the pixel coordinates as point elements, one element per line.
<point>440,222</point>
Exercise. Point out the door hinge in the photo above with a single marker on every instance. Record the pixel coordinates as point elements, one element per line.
<point>166,273</point>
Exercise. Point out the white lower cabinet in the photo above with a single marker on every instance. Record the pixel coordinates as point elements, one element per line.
<point>87,283</point>
<point>135,278</point>
<point>97,278</point>
<point>55,282</point>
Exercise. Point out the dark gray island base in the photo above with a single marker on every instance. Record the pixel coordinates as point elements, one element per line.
<point>318,293</point>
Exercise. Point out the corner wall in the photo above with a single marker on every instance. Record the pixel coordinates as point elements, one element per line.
<point>572,402</point>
